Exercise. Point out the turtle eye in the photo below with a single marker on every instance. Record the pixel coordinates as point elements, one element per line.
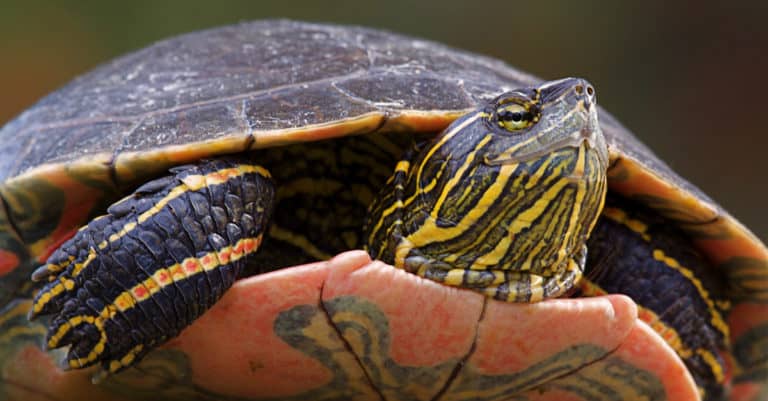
<point>514,117</point>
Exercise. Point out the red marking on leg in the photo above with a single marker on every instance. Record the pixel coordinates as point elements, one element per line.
<point>140,292</point>
<point>647,317</point>
<point>191,266</point>
<point>150,285</point>
<point>224,257</point>
<point>223,175</point>
<point>249,245</point>
<point>163,278</point>
<point>177,272</point>
<point>239,248</point>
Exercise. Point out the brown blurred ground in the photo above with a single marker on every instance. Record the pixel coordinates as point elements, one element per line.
<point>688,77</point>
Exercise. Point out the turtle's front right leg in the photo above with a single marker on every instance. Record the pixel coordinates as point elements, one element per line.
<point>134,278</point>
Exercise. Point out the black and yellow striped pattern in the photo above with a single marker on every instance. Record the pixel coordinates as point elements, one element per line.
<point>505,213</point>
<point>137,276</point>
<point>632,251</point>
<point>323,191</point>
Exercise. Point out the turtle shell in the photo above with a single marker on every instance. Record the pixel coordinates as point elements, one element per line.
<point>263,84</point>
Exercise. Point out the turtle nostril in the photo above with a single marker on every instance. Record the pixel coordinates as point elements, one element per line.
<point>590,90</point>
<point>580,89</point>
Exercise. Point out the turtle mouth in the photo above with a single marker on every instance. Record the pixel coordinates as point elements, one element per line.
<point>589,135</point>
<point>584,137</point>
<point>591,129</point>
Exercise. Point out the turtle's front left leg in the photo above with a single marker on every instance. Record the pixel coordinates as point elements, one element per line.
<point>134,278</point>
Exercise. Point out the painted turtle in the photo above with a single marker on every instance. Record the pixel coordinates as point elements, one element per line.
<point>316,139</point>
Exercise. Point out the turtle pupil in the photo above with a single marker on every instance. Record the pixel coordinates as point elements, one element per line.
<point>515,116</point>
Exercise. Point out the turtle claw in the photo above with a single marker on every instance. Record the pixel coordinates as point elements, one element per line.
<point>64,364</point>
<point>42,272</point>
<point>53,340</point>
<point>124,361</point>
<point>58,262</point>
<point>84,334</point>
<point>51,298</point>
<point>75,254</point>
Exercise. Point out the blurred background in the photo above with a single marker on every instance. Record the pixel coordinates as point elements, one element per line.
<point>688,77</point>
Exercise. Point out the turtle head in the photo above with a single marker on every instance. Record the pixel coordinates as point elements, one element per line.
<point>504,199</point>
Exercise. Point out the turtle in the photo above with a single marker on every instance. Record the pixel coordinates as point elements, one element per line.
<point>172,217</point>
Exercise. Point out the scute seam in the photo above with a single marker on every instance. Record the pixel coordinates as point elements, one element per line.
<point>347,345</point>
<point>460,365</point>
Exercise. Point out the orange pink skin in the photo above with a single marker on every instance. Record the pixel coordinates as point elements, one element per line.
<point>233,350</point>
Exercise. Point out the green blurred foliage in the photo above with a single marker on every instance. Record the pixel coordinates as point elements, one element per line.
<point>688,77</point>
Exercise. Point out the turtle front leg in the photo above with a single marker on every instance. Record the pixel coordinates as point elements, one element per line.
<point>134,278</point>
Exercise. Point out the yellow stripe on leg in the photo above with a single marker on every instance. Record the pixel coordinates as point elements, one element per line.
<point>144,290</point>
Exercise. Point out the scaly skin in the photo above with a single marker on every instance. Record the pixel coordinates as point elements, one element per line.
<point>732,249</point>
